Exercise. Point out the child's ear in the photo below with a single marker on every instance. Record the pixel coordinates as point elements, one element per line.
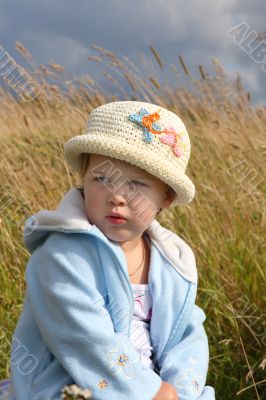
<point>170,196</point>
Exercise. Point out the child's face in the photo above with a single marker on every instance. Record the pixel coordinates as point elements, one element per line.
<point>114,186</point>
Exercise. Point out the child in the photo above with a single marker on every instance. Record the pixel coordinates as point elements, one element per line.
<point>110,299</point>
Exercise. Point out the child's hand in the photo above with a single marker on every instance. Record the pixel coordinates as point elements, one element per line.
<point>166,392</point>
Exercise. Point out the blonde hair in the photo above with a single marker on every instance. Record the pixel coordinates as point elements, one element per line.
<point>85,161</point>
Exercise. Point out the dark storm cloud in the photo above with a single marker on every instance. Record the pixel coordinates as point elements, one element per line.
<point>63,31</point>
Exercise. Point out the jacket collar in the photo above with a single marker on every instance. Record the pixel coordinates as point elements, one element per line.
<point>70,216</point>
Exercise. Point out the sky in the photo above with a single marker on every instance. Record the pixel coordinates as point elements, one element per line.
<point>64,30</point>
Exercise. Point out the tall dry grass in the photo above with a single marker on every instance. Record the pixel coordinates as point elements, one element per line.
<point>225,224</point>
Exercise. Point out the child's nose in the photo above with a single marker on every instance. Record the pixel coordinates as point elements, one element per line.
<point>117,198</point>
<point>122,193</point>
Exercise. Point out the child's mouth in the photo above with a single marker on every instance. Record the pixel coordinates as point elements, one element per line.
<point>116,220</point>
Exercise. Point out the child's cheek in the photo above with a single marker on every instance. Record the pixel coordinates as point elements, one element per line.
<point>144,211</point>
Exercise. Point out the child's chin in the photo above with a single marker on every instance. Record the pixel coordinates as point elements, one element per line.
<point>116,236</point>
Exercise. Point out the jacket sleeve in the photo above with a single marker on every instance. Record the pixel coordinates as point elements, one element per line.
<point>185,365</point>
<point>77,328</point>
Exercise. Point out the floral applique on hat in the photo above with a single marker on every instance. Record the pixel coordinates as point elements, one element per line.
<point>149,126</point>
<point>148,123</point>
<point>174,139</point>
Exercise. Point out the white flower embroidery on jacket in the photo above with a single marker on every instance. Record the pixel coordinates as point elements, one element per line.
<point>190,381</point>
<point>121,360</point>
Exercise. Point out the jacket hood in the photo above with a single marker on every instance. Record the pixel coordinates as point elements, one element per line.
<point>70,217</point>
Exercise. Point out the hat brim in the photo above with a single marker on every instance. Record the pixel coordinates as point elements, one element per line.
<point>93,144</point>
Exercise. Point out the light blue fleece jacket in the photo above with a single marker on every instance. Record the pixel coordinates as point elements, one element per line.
<point>78,306</point>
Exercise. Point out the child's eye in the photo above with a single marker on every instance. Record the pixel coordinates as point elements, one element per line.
<point>101,178</point>
<point>105,179</point>
<point>137,183</point>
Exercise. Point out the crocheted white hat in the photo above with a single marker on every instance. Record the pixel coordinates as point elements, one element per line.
<point>143,134</point>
